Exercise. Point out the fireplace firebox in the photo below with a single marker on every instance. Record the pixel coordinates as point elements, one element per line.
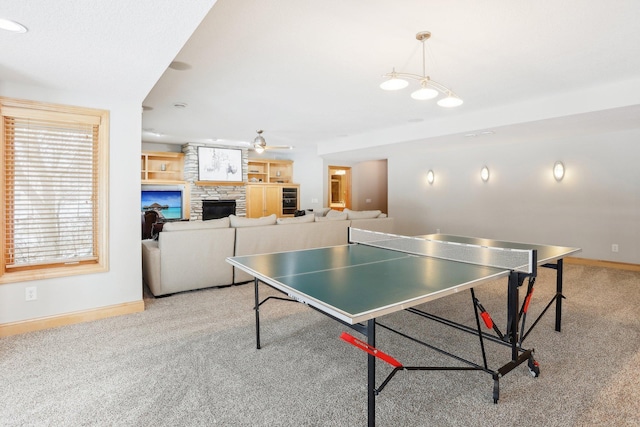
<point>214,209</point>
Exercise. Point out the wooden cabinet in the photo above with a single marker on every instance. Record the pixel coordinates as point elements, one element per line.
<point>161,167</point>
<point>267,199</point>
<point>270,189</point>
<point>270,171</point>
<point>262,200</point>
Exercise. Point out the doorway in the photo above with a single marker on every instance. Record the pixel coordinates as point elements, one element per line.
<point>339,187</point>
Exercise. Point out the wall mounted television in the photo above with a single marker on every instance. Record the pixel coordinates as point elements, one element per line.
<point>167,200</point>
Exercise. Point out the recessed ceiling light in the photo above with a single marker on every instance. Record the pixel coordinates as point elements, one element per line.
<point>179,66</point>
<point>12,26</point>
<point>180,104</point>
<point>416,120</point>
<point>483,133</point>
<point>152,132</point>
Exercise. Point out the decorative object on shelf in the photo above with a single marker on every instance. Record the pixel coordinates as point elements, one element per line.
<point>558,171</point>
<point>219,164</point>
<point>428,88</point>
<point>484,173</point>
<point>259,144</point>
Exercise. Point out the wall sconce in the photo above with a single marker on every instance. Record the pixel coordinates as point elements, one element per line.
<point>430,177</point>
<point>484,173</point>
<point>558,171</point>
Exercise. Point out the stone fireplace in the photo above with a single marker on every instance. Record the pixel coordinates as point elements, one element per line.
<point>215,192</point>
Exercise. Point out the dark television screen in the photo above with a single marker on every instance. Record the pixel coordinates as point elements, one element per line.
<point>167,202</point>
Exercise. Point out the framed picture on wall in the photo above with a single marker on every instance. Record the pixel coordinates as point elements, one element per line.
<point>219,164</point>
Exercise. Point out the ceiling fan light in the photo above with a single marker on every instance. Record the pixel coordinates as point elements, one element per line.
<point>424,93</point>
<point>258,149</point>
<point>450,101</point>
<point>394,83</point>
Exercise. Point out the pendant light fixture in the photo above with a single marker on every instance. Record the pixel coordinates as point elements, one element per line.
<point>429,89</point>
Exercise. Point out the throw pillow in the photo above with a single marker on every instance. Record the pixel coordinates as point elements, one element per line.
<point>239,221</point>
<point>295,220</point>
<point>195,225</point>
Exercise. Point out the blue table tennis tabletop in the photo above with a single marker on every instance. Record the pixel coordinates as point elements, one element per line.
<point>357,282</point>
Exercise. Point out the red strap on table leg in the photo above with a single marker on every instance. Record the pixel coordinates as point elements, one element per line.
<point>487,319</point>
<point>527,301</point>
<point>370,349</point>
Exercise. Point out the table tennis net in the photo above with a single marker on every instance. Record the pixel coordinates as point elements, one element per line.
<point>521,260</point>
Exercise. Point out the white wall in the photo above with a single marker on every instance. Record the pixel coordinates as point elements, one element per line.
<point>309,171</point>
<point>596,205</point>
<point>123,282</point>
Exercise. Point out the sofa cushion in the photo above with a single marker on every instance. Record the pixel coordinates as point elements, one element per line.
<point>238,221</point>
<point>333,215</point>
<point>362,214</point>
<point>318,211</point>
<point>196,225</point>
<point>296,220</point>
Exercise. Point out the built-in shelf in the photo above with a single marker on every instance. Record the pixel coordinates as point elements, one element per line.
<point>161,167</point>
<point>270,172</point>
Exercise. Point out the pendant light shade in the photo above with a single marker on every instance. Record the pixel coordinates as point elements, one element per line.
<point>429,89</point>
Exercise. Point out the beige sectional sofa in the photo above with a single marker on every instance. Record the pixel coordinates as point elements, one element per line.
<point>192,255</point>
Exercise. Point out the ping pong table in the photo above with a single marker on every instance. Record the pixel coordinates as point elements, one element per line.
<point>377,274</point>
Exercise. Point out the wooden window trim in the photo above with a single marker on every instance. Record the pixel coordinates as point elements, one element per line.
<point>9,107</point>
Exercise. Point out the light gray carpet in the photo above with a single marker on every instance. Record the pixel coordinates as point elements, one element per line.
<point>190,360</point>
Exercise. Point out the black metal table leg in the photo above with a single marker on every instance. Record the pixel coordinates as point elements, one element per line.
<point>559,293</point>
<point>512,314</point>
<point>371,374</point>
<point>257,309</point>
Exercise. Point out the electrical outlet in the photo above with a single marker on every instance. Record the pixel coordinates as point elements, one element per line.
<point>437,231</point>
<point>367,201</point>
<point>614,247</point>
<point>30,293</point>
<point>314,200</point>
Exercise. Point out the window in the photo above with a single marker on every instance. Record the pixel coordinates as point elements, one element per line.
<point>54,190</point>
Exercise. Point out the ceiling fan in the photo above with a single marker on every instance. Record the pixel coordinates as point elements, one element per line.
<point>259,144</point>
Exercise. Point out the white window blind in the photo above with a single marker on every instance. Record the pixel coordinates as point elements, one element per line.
<point>51,190</point>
